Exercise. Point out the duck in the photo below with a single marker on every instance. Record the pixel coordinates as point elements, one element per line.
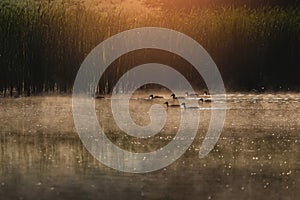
<point>174,97</point>
<point>151,96</point>
<point>183,106</point>
<point>205,100</point>
<point>206,93</point>
<point>173,105</point>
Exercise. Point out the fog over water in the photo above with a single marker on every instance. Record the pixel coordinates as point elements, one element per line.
<point>42,157</point>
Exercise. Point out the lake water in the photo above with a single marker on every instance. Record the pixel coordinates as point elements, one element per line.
<point>256,157</point>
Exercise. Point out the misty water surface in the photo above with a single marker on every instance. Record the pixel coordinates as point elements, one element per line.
<point>41,156</point>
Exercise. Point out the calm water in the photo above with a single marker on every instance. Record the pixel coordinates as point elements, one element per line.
<point>257,155</point>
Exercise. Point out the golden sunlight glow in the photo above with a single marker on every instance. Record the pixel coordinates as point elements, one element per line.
<point>126,6</point>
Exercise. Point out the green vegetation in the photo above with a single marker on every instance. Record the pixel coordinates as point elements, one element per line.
<point>43,44</point>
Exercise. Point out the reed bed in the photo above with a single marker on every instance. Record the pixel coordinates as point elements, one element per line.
<point>43,44</point>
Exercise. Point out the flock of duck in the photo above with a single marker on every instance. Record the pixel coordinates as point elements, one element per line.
<point>200,98</point>
<point>205,98</point>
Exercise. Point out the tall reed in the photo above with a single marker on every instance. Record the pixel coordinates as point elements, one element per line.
<point>43,44</point>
